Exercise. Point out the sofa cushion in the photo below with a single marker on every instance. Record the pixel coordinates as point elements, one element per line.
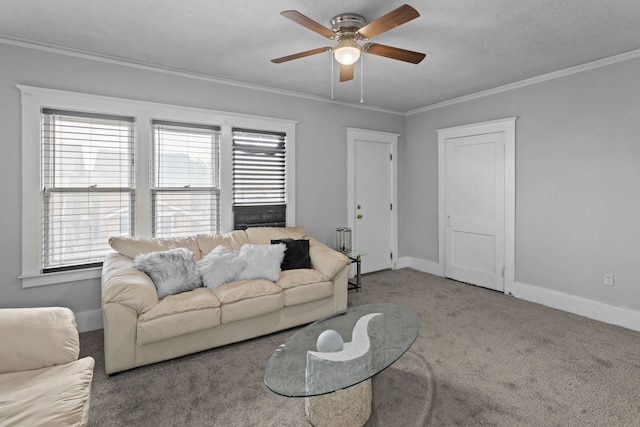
<point>132,247</point>
<point>26,332</point>
<point>304,285</point>
<point>296,255</point>
<point>232,241</point>
<point>179,314</point>
<point>262,261</point>
<point>248,298</point>
<point>220,266</point>
<point>263,235</point>
<point>52,396</point>
<point>172,271</point>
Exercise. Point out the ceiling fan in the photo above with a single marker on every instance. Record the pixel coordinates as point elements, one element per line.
<point>347,29</point>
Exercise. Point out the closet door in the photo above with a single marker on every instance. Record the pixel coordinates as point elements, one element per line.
<point>474,209</point>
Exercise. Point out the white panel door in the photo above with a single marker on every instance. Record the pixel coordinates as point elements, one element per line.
<point>474,209</point>
<point>373,197</point>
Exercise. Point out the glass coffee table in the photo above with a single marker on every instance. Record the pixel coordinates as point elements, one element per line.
<point>337,384</point>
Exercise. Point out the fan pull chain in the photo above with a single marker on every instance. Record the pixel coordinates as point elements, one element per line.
<point>331,58</point>
<point>362,79</point>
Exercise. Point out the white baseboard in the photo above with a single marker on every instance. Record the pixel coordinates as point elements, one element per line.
<point>607,313</point>
<point>420,265</point>
<point>89,320</point>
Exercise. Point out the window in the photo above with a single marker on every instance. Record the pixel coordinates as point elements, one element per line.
<point>94,167</point>
<point>259,178</point>
<point>87,195</point>
<point>185,192</point>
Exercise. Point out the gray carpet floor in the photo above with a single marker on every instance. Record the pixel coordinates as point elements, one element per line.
<point>481,359</point>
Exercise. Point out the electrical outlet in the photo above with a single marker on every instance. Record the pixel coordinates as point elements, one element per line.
<point>608,279</point>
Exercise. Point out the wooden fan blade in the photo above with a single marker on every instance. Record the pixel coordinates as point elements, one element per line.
<point>299,18</point>
<point>394,53</point>
<point>399,16</point>
<point>300,55</point>
<point>346,72</point>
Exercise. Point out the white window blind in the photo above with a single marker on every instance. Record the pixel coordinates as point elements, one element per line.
<point>87,181</point>
<point>259,168</point>
<point>185,179</point>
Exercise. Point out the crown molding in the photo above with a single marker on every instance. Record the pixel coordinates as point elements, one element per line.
<point>50,48</point>
<point>634,54</point>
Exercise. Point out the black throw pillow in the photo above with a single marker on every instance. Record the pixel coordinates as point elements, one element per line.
<point>296,255</point>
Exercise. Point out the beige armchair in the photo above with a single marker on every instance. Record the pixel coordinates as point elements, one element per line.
<point>42,382</point>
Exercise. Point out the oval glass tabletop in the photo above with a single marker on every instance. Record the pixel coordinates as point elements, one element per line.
<point>384,333</point>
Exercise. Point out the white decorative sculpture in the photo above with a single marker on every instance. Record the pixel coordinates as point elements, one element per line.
<point>355,357</point>
<point>351,406</point>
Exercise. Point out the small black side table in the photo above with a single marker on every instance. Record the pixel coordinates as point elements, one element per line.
<point>355,257</point>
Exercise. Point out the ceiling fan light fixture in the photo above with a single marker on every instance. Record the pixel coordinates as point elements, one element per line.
<point>347,52</point>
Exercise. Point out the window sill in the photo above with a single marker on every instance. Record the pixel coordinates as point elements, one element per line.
<point>34,280</point>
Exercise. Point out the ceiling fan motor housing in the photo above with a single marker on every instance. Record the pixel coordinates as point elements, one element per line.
<point>347,23</point>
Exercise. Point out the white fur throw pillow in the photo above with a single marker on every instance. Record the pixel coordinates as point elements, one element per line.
<point>263,261</point>
<point>172,271</point>
<point>220,266</point>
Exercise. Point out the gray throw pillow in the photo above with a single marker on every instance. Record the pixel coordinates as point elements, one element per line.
<point>173,271</point>
<point>220,266</point>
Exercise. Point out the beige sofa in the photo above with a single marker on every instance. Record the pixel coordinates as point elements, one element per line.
<point>42,382</point>
<point>140,329</point>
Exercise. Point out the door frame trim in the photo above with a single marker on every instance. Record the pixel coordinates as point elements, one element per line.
<point>508,127</point>
<point>353,135</point>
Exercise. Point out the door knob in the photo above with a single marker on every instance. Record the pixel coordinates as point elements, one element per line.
<point>359,216</point>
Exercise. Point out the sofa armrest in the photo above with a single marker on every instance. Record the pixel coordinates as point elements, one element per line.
<point>126,285</point>
<point>326,260</point>
<point>34,338</point>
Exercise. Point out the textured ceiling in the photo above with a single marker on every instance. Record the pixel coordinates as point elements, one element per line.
<point>470,45</point>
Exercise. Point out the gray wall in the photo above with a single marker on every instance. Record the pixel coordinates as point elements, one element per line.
<point>321,192</point>
<point>577,168</point>
<point>577,181</point>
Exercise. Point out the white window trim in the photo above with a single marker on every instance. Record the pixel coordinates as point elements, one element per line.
<point>35,98</point>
